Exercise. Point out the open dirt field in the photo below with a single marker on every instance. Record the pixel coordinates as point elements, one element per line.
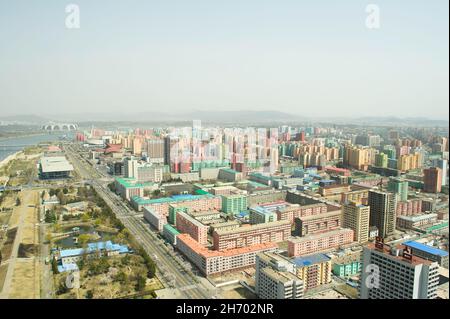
<point>25,281</point>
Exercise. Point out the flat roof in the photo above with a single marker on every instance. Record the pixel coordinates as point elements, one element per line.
<point>416,218</point>
<point>55,164</point>
<point>171,229</point>
<point>173,199</point>
<point>310,260</point>
<point>207,253</point>
<point>319,235</point>
<point>132,182</point>
<point>253,227</point>
<point>426,248</point>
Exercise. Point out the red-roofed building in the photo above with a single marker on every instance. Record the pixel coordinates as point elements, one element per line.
<point>215,262</point>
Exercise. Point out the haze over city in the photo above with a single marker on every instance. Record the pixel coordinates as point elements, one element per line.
<point>316,59</point>
<point>256,156</point>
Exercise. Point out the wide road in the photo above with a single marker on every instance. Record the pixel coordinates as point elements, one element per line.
<point>184,280</point>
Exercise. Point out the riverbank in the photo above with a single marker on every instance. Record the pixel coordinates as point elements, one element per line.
<point>9,158</point>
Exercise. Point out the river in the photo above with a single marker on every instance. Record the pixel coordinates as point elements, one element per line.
<point>13,145</point>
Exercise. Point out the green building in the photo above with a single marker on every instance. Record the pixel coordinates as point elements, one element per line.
<point>399,186</point>
<point>381,160</point>
<point>170,233</point>
<point>390,152</point>
<point>347,266</point>
<point>173,210</point>
<point>259,215</point>
<point>392,163</point>
<point>233,204</point>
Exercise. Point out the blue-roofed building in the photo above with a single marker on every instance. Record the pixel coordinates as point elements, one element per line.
<point>314,270</point>
<point>428,252</point>
<point>68,267</point>
<point>93,250</point>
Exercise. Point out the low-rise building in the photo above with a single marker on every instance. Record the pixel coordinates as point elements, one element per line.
<point>170,233</point>
<point>128,188</point>
<point>347,265</point>
<point>93,250</point>
<point>416,221</point>
<point>54,167</point>
<point>260,215</point>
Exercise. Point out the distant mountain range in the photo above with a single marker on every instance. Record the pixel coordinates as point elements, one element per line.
<point>219,117</point>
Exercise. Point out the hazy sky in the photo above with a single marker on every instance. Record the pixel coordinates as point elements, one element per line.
<point>314,58</point>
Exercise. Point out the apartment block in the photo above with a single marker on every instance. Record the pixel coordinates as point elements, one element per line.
<point>189,225</point>
<point>311,244</point>
<point>251,235</point>
<point>234,204</point>
<point>409,207</point>
<point>416,221</point>
<point>295,211</point>
<point>155,219</point>
<point>275,278</point>
<point>313,270</point>
<point>318,223</point>
<point>382,211</point>
<point>212,262</point>
<point>356,217</point>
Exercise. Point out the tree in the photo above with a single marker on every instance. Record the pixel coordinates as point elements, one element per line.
<point>62,198</point>
<point>55,266</point>
<point>50,216</point>
<point>85,218</point>
<point>83,239</point>
<point>140,283</point>
<point>52,192</point>
<point>121,277</point>
<point>156,193</point>
<point>65,191</point>
<point>89,294</point>
<point>18,202</point>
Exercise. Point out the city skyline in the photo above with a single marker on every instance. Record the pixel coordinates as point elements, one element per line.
<point>313,60</point>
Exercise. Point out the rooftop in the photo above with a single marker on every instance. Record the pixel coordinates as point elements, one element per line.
<point>310,260</point>
<point>426,248</point>
<point>320,235</point>
<point>93,247</point>
<point>132,183</point>
<point>253,227</point>
<point>173,199</point>
<point>416,218</point>
<point>207,253</point>
<point>55,164</point>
